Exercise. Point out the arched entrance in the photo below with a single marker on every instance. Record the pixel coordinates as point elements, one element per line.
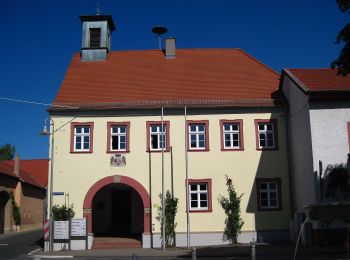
<point>5,212</point>
<point>117,206</point>
<point>117,211</point>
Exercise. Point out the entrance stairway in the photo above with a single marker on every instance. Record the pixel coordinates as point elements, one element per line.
<point>115,243</point>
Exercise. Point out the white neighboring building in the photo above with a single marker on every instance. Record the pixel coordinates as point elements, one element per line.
<point>319,128</point>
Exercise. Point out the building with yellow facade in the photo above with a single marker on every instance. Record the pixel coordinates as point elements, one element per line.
<point>222,115</point>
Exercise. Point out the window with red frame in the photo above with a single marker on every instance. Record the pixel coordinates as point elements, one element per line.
<point>200,195</point>
<point>81,137</point>
<point>158,138</point>
<point>266,134</point>
<point>231,134</point>
<point>198,135</point>
<point>118,137</point>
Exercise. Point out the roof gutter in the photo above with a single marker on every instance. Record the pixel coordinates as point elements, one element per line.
<point>168,104</point>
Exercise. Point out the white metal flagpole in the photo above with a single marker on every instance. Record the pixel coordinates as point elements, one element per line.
<point>187,191</point>
<point>162,142</point>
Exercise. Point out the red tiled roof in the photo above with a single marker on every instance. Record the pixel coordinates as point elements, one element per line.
<point>34,172</point>
<point>37,168</point>
<point>320,79</point>
<point>147,77</point>
<point>7,169</point>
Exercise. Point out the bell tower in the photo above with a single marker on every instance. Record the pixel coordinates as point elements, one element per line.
<point>97,34</point>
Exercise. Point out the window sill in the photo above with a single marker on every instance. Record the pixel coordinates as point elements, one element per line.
<point>114,152</point>
<point>201,211</point>
<point>80,152</point>
<point>232,149</point>
<point>267,149</point>
<point>198,150</point>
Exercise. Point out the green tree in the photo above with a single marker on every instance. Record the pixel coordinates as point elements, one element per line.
<point>232,208</point>
<point>170,205</point>
<point>342,63</point>
<point>62,213</point>
<point>7,151</point>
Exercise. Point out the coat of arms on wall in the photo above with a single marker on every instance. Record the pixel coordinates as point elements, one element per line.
<point>118,160</point>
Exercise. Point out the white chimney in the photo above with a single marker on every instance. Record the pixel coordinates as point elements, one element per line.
<point>170,48</point>
<point>16,165</point>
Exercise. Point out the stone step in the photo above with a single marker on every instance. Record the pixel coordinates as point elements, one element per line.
<point>115,243</point>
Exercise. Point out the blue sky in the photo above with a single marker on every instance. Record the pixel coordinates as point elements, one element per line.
<point>39,38</point>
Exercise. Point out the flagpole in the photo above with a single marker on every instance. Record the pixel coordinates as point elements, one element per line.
<point>187,187</point>
<point>162,142</point>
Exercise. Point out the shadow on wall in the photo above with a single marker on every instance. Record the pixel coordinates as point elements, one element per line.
<point>269,198</point>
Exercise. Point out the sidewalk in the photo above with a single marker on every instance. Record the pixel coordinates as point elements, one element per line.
<point>278,251</point>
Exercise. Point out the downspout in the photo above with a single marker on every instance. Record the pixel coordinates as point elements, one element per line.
<point>290,167</point>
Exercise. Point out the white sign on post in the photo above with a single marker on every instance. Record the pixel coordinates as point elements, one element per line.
<point>78,227</point>
<point>61,230</point>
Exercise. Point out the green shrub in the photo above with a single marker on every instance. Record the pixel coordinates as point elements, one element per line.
<point>62,213</point>
<point>170,205</point>
<point>15,211</point>
<point>232,208</point>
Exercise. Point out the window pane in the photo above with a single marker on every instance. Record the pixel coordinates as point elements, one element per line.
<point>264,203</point>
<point>203,187</point>
<point>114,130</point>
<point>115,142</point>
<point>86,146</point>
<point>154,142</point>
<point>78,130</point>
<point>204,204</point>
<point>194,204</point>
<point>122,129</point>
<point>193,187</point>
<point>78,139</point>
<point>194,196</point>
<point>235,143</point>
<point>263,186</point>
<point>201,127</point>
<point>86,139</point>
<point>263,195</point>
<point>122,139</point>
<point>154,129</point>
<point>273,195</point>
<point>193,141</point>
<point>86,130</point>
<point>226,127</point>
<point>269,127</point>
<point>192,128</point>
<point>77,146</point>
<point>203,196</point>
<point>273,203</point>
<point>201,144</point>
<point>235,127</point>
<point>261,127</point>
<point>122,146</point>
<point>272,185</point>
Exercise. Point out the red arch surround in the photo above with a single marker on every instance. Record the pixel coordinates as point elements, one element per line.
<point>87,206</point>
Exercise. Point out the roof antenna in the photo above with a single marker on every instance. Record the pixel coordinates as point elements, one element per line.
<point>98,9</point>
<point>159,30</point>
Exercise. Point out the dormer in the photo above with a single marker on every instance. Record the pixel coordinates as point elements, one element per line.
<point>97,34</point>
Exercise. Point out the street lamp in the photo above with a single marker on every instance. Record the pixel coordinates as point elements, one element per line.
<point>46,132</point>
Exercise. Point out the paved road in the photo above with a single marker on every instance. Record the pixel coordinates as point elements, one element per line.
<point>18,245</point>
